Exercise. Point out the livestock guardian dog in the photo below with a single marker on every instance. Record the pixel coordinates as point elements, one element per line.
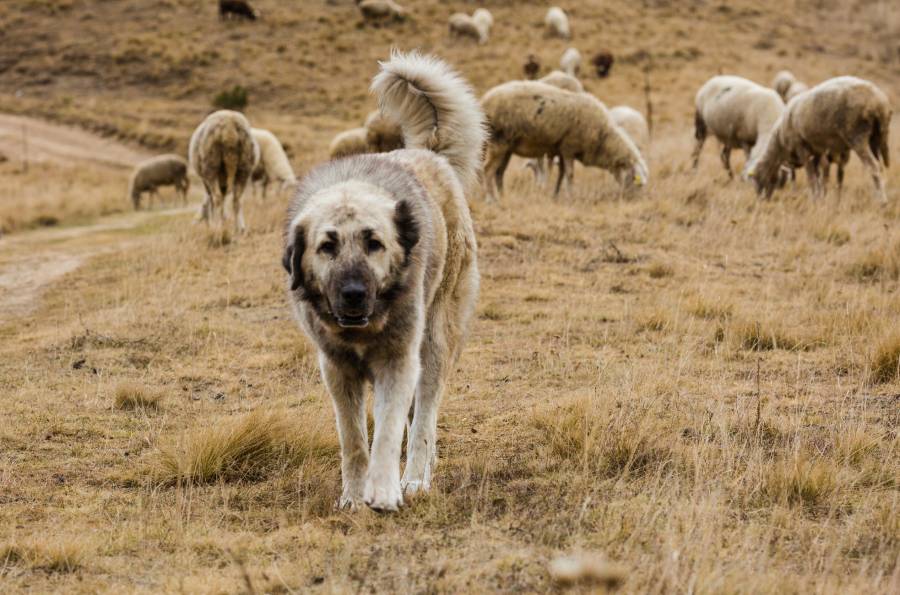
<point>383,275</point>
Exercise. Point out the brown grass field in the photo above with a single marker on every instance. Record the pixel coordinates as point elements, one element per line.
<point>700,387</point>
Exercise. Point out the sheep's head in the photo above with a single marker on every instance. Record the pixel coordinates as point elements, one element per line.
<point>531,68</point>
<point>603,62</point>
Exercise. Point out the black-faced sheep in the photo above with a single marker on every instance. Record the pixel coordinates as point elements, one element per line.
<point>162,170</point>
<point>531,68</point>
<point>557,23</point>
<point>602,62</point>
<point>533,119</point>
<point>833,118</point>
<point>237,9</point>
<point>738,112</point>
<point>274,165</point>
<point>223,154</point>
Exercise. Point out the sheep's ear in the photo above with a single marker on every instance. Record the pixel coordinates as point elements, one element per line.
<point>407,227</point>
<point>293,258</point>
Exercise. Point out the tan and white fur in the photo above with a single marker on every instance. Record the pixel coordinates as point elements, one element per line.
<point>381,253</point>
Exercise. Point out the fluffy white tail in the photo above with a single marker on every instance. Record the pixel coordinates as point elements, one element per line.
<point>436,108</point>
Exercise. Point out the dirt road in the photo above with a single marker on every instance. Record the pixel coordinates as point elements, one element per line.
<point>31,261</point>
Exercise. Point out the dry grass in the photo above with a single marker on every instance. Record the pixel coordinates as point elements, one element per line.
<point>131,396</point>
<point>593,409</point>
<point>885,363</point>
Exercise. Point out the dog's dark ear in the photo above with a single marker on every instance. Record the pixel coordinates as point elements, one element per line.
<point>293,258</point>
<point>407,226</point>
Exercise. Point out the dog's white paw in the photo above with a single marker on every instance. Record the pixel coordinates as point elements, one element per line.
<point>383,495</point>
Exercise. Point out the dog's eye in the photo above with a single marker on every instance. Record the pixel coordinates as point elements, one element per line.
<point>328,247</point>
<point>374,245</point>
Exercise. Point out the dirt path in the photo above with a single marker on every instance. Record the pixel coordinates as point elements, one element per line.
<point>38,141</point>
<point>31,261</point>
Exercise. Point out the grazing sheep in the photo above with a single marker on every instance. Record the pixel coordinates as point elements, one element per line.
<point>557,23</point>
<point>273,165</point>
<point>571,62</point>
<point>349,142</point>
<point>223,153</point>
<point>462,25</point>
<point>531,68</point>
<point>738,112</point>
<point>602,61</point>
<point>562,80</point>
<point>162,170</point>
<point>633,123</point>
<point>833,118</point>
<point>382,134</point>
<point>381,11</point>
<point>533,119</point>
<point>237,9</point>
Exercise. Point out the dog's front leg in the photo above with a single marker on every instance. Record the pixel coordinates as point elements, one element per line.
<point>347,386</point>
<point>395,384</point>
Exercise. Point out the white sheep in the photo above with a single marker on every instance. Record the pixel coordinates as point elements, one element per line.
<point>557,23</point>
<point>560,79</point>
<point>477,26</point>
<point>633,123</point>
<point>273,165</point>
<point>349,142</point>
<point>786,85</point>
<point>571,62</point>
<point>738,112</point>
<point>380,11</point>
<point>533,119</point>
<point>223,153</point>
<point>484,20</point>
<point>833,118</point>
<point>162,170</point>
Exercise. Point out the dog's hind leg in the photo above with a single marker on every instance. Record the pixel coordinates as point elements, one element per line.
<point>348,397</point>
<point>395,385</point>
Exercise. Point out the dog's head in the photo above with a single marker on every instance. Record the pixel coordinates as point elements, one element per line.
<point>348,251</point>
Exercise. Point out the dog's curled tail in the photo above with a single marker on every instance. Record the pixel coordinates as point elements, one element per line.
<point>436,109</point>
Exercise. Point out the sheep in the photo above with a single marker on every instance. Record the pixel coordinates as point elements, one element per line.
<point>786,85</point>
<point>381,11</point>
<point>531,68</point>
<point>602,61</point>
<point>557,23</point>
<point>569,83</point>
<point>462,25</point>
<point>533,119</point>
<point>382,135</point>
<point>738,112</point>
<point>223,153</point>
<point>349,142</point>
<point>273,162</point>
<point>162,170</point>
<point>484,20</point>
<point>570,63</point>
<point>835,117</point>
<point>238,9</point>
<point>633,123</point>
<point>563,81</point>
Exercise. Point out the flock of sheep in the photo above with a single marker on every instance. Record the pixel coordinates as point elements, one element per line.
<point>553,121</point>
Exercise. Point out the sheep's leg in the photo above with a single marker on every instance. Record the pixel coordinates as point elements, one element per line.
<point>700,135</point>
<point>842,161</point>
<point>726,161</point>
<point>490,173</point>
<point>236,193</point>
<point>871,163</point>
<point>562,173</point>
<point>501,170</point>
<point>813,174</point>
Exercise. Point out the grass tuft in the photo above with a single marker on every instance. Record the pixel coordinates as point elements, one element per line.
<point>800,481</point>
<point>56,557</point>
<point>885,364</point>
<point>132,396</point>
<point>248,448</point>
